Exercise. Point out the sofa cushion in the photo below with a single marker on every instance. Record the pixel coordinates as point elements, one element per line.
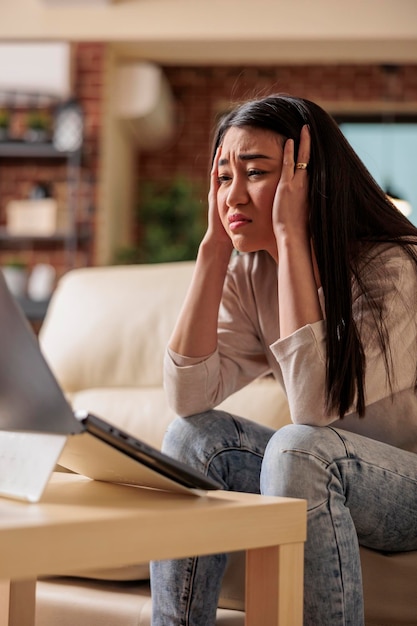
<point>128,573</point>
<point>263,401</point>
<point>142,411</point>
<point>68,601</point>
<point>109,326</point>
<point>390,587</point>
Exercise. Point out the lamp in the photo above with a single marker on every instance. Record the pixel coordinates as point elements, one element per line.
<point>402,205</point>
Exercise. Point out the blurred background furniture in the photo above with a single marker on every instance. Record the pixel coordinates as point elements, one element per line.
<point>104,336</point>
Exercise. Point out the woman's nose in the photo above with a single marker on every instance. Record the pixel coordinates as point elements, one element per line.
<point>237,192</point>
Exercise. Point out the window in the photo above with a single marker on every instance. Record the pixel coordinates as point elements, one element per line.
<point>387,146</point>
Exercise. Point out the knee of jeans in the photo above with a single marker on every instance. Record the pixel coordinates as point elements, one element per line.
<point>298,455</point>
<point>321,441</point>
<point>187,436</point>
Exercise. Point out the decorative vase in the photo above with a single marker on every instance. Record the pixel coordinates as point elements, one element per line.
<point>16,280</point>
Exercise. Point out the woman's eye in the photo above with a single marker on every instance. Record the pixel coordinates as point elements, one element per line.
<point>223,178</point>
<point>252,173</point>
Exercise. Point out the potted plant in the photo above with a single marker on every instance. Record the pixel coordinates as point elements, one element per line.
<point>38,125</point>
<point>4,124</point>
<point>171,221</point>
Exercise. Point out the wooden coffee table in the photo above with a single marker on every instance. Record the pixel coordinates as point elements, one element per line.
<point>83,524</point>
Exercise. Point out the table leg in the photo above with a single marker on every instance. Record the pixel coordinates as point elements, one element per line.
<point>17,603</point>
<point>274,585</point>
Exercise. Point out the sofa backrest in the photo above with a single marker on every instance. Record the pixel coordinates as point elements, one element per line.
<point>109,326</point>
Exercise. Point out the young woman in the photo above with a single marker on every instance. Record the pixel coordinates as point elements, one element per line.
<point>323,295</point>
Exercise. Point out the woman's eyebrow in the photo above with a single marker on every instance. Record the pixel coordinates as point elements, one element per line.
<point>251,157</point>
<point>246,157</point>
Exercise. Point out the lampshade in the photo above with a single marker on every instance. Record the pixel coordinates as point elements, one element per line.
<point>402,205</point>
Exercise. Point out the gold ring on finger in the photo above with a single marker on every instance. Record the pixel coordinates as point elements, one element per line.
<point>301,166</point>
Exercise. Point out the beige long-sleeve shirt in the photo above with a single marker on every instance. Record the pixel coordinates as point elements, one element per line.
<point>249,347</point>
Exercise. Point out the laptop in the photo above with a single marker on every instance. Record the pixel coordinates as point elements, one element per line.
<point>39,429</point>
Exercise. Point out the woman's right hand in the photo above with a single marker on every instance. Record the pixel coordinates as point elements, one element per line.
<point>195,334</point>
<point>215,229</point>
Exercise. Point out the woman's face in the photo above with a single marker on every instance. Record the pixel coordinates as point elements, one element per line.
<point>249,170</point>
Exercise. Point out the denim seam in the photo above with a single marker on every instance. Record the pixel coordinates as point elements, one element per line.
<point>342,582</point>
<point>190,587</point>
<point>240,449</point>
<point>349,458</point>
<point>341,439</point>
<point>325,462</point>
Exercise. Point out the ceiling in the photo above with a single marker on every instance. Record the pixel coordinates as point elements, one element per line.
<point>220,31</point>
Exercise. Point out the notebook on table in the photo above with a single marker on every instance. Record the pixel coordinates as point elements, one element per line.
<point>39,429</point>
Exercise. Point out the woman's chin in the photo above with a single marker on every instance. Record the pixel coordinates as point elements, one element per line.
<point>241,244</point>
<point>244,246</point>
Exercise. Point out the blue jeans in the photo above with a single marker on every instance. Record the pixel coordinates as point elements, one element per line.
<point>359,492</point>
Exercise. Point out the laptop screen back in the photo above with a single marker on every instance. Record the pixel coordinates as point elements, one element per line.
<point>30,397</point>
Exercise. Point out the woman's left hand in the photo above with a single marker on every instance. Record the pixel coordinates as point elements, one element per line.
<point>298,276</point>
<point>290,211</point>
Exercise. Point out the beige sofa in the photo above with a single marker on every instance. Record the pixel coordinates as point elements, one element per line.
<point>104,336</point>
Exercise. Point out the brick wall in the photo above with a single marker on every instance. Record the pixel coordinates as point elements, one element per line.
<point>201,93</point>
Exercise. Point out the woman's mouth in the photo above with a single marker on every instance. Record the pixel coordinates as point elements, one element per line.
<point>237,220</point>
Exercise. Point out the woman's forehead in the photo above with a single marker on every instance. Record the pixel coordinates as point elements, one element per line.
<point>249,138</point>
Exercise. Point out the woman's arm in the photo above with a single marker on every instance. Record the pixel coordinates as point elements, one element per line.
<point>195,333</point>
<point>391,282</point>
<point>194,385</point>
<point>298,279</point>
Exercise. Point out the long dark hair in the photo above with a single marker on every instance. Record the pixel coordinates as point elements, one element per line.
<point>347,208</point>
